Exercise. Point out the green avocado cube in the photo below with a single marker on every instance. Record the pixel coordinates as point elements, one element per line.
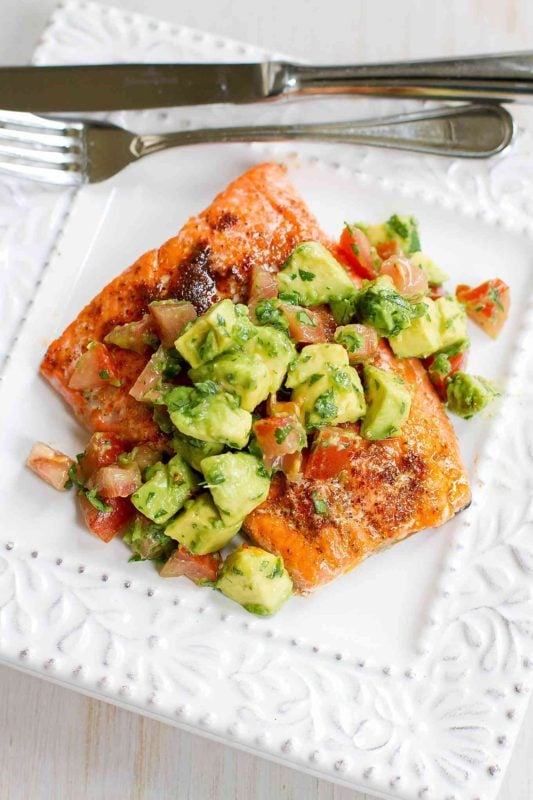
<point>452,322</point>
<point>469,394</point>
<point>435,275</point>
<point>276,351</point>
<point>314,359</point>
<point>422,337</point>
<point>195,450</point>
<point>238,482</point>
<point>166,490</point>
<point>402,228</point>
<point>330,397</point>
<point>388,404</point>
<point>209,335</point>
<point>200,527</point>
<point>256,579</point>
<point>206,413</point>
<point>148,541</point>
<point>314,275</point>
<point>238,373</point>
<point>380,305</point>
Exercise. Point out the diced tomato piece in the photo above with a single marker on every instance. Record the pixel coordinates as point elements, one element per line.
<point>50,465</point>
<point>196,568</point>
<point>308,325</point>
<point>331,453</point>
<point>277,408</point>
<point>263,286</point>
<point>115,481</point>
<point>138,336</point>
<point>487,304</point>
<point>408,279</point>
<point>291,465</point>
<point>279,436</point>
<point>360,341</point>
<point>94,368</point>
<point>358,252</point>
<point>387,249</point>
<point>169,317</point>
<point>102,449</point>
<point>106,524</point>
<point>437,291</point>
<point>442,367</point>
<point>147,387</point>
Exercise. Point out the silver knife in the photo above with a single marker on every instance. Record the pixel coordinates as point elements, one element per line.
<point>106,87</point>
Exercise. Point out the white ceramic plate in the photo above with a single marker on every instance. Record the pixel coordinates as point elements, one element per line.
<point>406,678</point>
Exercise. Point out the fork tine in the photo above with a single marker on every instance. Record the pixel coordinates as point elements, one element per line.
<point>43,157</point>
<point>41,149</point>
<point>52,140</point>
<point>60,177</point>
<point>23,120</point>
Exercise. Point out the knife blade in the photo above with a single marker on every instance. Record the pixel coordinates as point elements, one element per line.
<point>108,87</point>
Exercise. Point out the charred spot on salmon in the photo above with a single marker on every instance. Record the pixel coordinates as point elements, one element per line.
<point>193,280</point>
<point>224,221</point>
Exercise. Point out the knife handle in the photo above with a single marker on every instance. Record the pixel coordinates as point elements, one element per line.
<point>504,77</point>
<point>474,131</point>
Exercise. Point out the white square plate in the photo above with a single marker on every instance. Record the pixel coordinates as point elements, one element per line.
<point>405,678</point>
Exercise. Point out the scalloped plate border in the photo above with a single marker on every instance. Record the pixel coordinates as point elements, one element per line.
<point>443,730</point>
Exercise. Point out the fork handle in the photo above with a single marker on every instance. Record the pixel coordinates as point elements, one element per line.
<point>474,131</point>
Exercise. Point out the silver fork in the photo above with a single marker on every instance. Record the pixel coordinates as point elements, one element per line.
<point>71,152</point>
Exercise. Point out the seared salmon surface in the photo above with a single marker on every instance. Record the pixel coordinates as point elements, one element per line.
<point>258,219</point>
<point>385,491</point>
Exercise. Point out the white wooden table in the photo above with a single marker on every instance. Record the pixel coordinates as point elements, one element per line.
<point>58,745</point>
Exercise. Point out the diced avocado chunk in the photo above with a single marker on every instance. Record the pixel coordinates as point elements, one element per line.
<point>403,228</point>
<point>238,373</point>
<point>256,579</point>
<point>275,350</point>
<point>166,490</point>
<point>380,305</point>
<point>204,412</point>
<point>209,335</point>
<point>194,450</point>
<point>200,528</point>
<point>376,234</point>
<point>435,275</point>
<point>422,337</point>
<point>148,541</point>
<point>388,404</point>
<point>469,394</point>
<point>238,482</point>
<point>312,360</point>
<point>330,397</point>
<point>452,322</point>
<point>314,275</point>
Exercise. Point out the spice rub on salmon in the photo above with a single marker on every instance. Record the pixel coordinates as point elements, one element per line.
<point>257,220</point>
<point>325,523</point>
<point>381,493</point>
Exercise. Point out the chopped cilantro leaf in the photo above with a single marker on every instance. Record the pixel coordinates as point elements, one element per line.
<point>321,506</point>
<point>281,434</point>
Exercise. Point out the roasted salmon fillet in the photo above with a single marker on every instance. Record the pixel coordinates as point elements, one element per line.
<point>258,219</point>
<point>385,491</point>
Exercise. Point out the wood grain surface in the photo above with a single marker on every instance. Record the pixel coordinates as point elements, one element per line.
<point>58,745</point>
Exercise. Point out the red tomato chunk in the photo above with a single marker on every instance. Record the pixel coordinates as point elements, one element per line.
<point>487,305</point>
<point>50,465</point>
<point>197,568</point>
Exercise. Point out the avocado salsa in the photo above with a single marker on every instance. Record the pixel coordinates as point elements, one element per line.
<point>240,392</point>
